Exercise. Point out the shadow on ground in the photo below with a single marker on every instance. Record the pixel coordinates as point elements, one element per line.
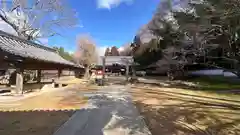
<point>106,114</point>
<point>207,83</point>
<point>28,87</point>
<point>116,80</point>
<point>123,115</point>
<point>169,113</point>
<point>32,122</point>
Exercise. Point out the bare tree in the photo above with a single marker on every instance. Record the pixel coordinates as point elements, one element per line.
<point>32,19</point>
<point>126,50</point>
<point>107,52</point>
<point>114,51</point>
<point>86,49</point>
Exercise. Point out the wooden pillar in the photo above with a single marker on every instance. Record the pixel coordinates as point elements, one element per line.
<point>127,71</point>
<point>53,83</point>
<point>133,71</point>
<point>19,81</point>
<point>59,73</point>
<point>39,75</point>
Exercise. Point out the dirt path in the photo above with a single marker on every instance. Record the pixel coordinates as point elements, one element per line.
<point>110,112</point>
<point>183,112</point>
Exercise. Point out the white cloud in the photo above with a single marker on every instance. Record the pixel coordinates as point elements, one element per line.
<point>79,26</point>
<point>111,3</point>
<point>71,51</point>
<point>121,49</point>
<point>101,50</point>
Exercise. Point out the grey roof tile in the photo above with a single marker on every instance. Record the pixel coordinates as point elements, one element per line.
<point>28,49</point>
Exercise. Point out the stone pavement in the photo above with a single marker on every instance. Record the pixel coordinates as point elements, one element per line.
<point>110,112</point>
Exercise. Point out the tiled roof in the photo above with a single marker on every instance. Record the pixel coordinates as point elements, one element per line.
<point>29,49</point>
<point>115,60</point>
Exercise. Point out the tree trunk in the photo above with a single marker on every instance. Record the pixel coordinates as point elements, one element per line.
<point>39,75</point>
<point>12,78</point>
<point>87,74</point>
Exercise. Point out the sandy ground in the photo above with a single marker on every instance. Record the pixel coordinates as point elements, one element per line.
<point>43,113</point>
<point>170,111</point>
<point>66,98</point>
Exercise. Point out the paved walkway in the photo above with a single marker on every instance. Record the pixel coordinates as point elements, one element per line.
<point>110,112</point>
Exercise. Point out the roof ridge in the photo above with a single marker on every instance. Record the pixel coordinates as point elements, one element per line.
<point>2,33</point>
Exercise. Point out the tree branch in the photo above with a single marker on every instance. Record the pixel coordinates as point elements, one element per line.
<point>4,18</point>
<point>14,8</point>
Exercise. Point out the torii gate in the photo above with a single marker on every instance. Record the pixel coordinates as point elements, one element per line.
<point>124,60</point>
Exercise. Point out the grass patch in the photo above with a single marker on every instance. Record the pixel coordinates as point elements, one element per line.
<point>216,83</point>
<point>170,111</point>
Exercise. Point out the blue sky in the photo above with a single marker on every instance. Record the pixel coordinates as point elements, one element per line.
<point>109,22</point>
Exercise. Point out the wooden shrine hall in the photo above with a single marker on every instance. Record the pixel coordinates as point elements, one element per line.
<point>23,55</point>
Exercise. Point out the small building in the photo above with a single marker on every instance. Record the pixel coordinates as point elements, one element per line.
<point>22,54</point>
<point>117,63</point>
<point>110,60</point>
